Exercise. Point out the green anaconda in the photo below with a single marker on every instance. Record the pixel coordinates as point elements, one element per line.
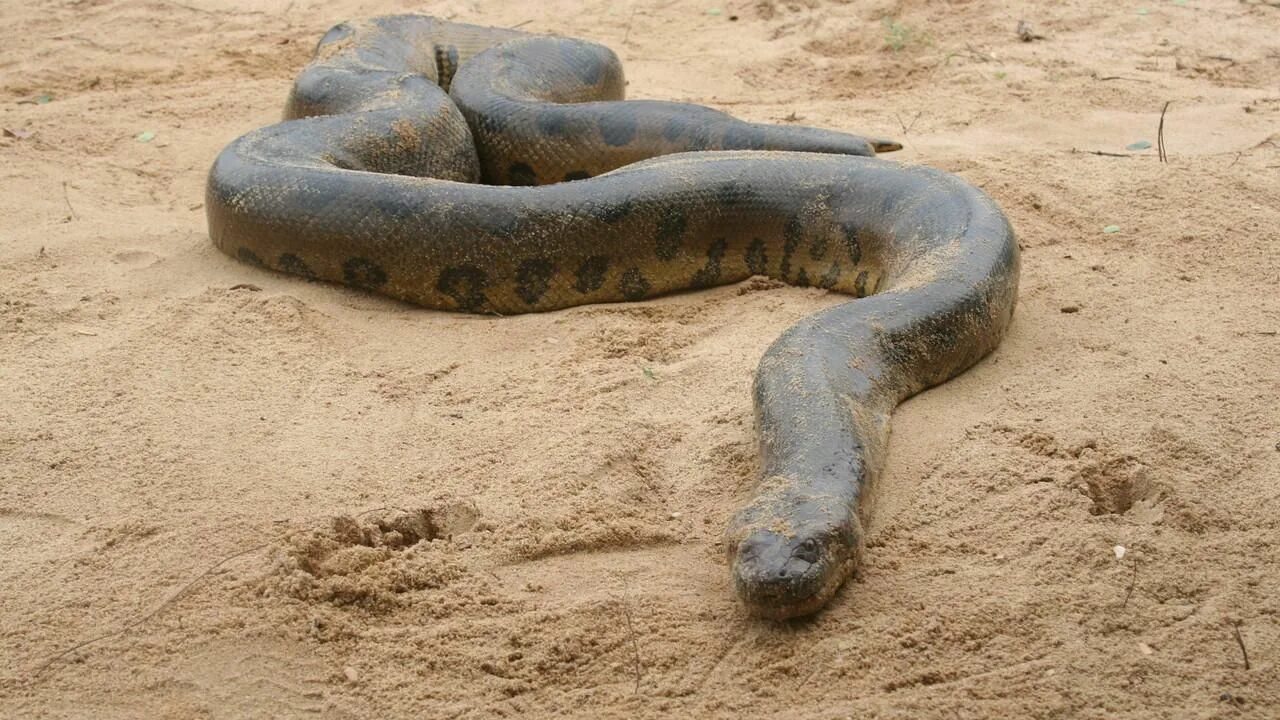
<point>485,170</point>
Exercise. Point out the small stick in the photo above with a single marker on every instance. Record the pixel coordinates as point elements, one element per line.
<point>635,645</point>
<point>1133,581</point>
<point>1100,152</point>
<point>138,621</point>
<point>978,54</point>
<point>81,38</point>
<point>630,18</point>
<point>67,199</point>
<point>905,127</point>
<point>194,9</point>
<point>1164,156</point>
<point>808,677</point>
<point>1121,77</point>
<point>1240,641</point>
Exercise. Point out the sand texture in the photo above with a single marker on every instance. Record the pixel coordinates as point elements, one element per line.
<point>227,493</point>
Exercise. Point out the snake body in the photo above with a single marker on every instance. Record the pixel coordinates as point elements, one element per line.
<point>488,170</point>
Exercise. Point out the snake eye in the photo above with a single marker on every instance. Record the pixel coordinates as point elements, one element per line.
<point>807,551</point>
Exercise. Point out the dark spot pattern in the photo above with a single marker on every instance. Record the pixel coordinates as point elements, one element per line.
<point>742,136</point>
<point>818,245</point>
<point>291,263</point>
<point>591,274</point>
<point>674,129</point>
<point>533,277</point>
<point>521,174</point>
<point>552,123</point>
<point>757,260</point>
<point>852,242</point>
<point>791,235</point>
<point>698,137</point>
<point>735,194</point>
<point>488,124</point>
<point>690,132</point>
<point>613,211</point>
<point>498,220</point>
<point>465,285</point>
<point>690,128</point>
<point>391,207</point>
<point>633,284</point>
<point>617,127</point>
<point>710,273</point>
<point>802,279</point>
<point>249,256</point>
<point>576,175</point>
<point>362,272</point>
<point>831,277</point>
<point>860,284</point>
<point>670,234</point>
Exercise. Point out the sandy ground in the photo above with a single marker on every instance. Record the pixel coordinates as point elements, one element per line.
<point>220,502</point>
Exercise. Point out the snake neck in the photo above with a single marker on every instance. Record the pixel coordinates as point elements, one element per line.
<point>824,393</point>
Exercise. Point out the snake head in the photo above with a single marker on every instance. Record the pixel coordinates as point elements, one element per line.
<point>789,555</point>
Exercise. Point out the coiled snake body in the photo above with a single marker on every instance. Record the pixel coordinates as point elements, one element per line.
<point>374,180</point>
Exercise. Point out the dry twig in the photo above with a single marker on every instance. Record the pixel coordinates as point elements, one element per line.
<point>635,644</point>
<point>1121,77</point>
<point>1101,152</point>
<point>1240,641</point>
<point>1133,581</point>
<point>630,18</point>
<point>906,128</point>
<point>138,621</point>
<point>65,198</point>
<point>1164,156</point>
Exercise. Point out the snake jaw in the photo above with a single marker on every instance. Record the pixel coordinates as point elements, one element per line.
<point>787,571</point>
<point>779,577</point>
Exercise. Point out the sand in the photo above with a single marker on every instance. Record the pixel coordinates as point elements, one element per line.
<point>300,500</point>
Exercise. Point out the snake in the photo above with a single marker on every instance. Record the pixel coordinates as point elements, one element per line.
<point>491,170</point>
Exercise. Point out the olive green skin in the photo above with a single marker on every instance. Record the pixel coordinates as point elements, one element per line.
<point>374,180</point>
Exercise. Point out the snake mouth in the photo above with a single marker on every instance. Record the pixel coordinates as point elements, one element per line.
<point>786,606</point>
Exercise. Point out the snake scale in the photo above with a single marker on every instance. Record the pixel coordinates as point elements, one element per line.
<point>488,170</point>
